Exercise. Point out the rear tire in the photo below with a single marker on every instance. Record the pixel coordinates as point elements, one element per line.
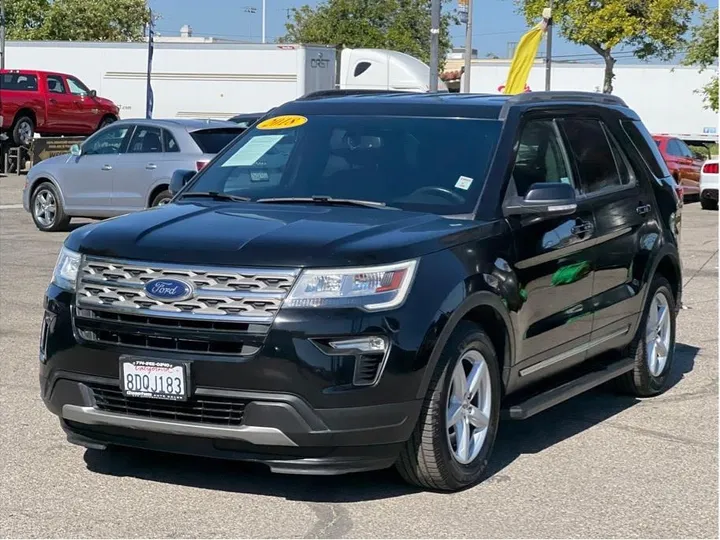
<point>161,198</point>
<point>47,209</point>
<point>23,131</point>
<point>650,375</point>
<point>432,458</point>
<point>708,204</point>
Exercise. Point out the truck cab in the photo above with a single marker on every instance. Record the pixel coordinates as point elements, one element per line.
<point>50,103</point>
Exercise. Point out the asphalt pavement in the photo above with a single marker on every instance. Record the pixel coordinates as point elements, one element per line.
<point>598,466</point>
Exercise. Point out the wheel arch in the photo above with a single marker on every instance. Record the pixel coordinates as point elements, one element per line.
<point>488,311</point>
<point>25,111</point>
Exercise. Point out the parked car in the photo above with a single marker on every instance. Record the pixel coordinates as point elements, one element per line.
<point>247,119</point>
<point>683,163</point>
<point>331,294</point>
<point>122,168</point>
<point>709,185</point>
<point>50,104</point>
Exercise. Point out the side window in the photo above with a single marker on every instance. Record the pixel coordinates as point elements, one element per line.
<point>76,87</point>
<point>145,140</point>
<point>627,175</point>
<point>684,150</point>
<point>540,156</point>
<point>595,158</point>
<point>646,146</point>
<point>171,144</point>
<point>19,81</point>
<point>55,84</point>
<point>106,142</point>
<point>361,68</point>
<point>673,148</point>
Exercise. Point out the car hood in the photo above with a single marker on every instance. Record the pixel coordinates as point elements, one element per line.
<point>248,234</point>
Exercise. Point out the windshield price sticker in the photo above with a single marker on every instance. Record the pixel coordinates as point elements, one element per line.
<point>464,183</point>
<point>283,122</point>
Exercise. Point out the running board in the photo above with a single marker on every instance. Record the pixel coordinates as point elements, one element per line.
<point>570,389</point>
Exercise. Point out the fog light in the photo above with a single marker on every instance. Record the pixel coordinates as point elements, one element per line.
<point>371,344</point>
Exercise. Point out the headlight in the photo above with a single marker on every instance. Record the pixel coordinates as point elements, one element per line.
<point>372,288</point>
<point>66,269</point>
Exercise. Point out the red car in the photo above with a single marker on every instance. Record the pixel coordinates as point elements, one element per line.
<point>683,164</point>
<point>50,104</point>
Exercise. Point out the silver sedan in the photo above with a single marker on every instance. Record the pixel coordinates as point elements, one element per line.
<point>122,168</point>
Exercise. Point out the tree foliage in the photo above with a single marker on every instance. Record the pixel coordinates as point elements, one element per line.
<point>702,51</point>
<point>653,28</point>
<point>76,20</point>
<point>400,25</point>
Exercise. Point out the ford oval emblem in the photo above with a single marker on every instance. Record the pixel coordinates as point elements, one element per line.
<point>168,290</point>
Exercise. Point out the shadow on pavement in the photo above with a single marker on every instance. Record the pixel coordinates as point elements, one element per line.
<point>514,440</point>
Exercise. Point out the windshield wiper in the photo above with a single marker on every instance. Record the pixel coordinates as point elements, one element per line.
<point>326,200</point>
<point>215,195</point>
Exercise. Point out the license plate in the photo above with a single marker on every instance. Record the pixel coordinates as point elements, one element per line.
<point>153,379</point>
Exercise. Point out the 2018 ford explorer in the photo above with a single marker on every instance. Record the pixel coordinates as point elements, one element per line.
<point>360,282</point>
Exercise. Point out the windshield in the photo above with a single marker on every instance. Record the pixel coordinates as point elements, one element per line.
<point>435,165</point>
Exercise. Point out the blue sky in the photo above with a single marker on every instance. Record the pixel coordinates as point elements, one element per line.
<point>495,23</point>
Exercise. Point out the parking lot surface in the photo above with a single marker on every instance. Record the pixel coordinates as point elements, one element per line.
<point>597,466</point>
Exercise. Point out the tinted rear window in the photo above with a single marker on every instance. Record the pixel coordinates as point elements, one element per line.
<point>647,146</point>
<point>211,141</point>
<point>19,81</point>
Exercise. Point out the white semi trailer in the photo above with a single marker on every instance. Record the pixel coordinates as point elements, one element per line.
<point>218,80</point>
<point>665,96</point>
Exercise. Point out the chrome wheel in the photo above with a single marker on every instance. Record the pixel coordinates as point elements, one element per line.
<point>25,132</point>
<point>657,334</point>
<point>468,407</point>
<point>45,208</point>
<point>163,201</point>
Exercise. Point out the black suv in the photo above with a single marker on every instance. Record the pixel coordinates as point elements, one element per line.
<point>363,281</point>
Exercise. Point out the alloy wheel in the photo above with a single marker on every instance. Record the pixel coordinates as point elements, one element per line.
<point>25,131</point>
<point>468,407</point>
<point>657,335</point>
<point>45,208</point>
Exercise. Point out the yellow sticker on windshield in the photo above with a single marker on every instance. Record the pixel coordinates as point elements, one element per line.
<point>282,122</point>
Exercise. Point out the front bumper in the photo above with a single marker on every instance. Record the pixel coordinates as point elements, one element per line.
<point>298,412</point>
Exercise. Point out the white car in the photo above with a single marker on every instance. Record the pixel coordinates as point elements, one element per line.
<point>709,185</point>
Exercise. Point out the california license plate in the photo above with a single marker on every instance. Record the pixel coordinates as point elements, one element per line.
<point>153,379</point>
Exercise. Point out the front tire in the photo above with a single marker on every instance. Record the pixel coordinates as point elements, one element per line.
<point>47,209</point>
<point>106,122</point>
<point>453,439</point>
<point>654,345</point>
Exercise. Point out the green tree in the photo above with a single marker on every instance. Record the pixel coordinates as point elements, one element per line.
<point>400,25</point>
<point>653,28</point>
<point>702,51</point>
<point>76,20</point>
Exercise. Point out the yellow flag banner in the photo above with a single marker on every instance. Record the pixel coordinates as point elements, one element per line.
<point>523,59</point>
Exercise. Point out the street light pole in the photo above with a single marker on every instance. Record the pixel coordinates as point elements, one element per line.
<point>434,44</point>
<point>468,48</point>
<point>263,21</point>
<point>548,45</point>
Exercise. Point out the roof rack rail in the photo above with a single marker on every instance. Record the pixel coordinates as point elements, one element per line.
<point>341,92</point>
<point>593,97</point>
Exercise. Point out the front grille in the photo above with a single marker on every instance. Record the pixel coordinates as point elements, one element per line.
<point>223,411</point>
<point>249,295</point>
<point>208,337</point>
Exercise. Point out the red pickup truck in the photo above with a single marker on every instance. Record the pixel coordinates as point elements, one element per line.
<point>50,104</point>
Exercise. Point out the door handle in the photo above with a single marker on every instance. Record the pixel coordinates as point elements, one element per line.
<point>642,210</point>
<point>582,228</point>
<point>107,167</point>
<point>150,166</point>
<point>53,100</point>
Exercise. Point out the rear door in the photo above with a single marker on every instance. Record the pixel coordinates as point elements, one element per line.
<point>622,206</point>
<point>60,107</point>
<point>554,260</point>
<point>136,169</point>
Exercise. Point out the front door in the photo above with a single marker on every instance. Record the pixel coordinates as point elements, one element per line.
<point>554,261</point>
<point>89,183</point>
<point>87,114</point>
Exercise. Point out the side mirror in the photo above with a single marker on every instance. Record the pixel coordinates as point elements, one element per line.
<point>75,150</point>
<point>545,198</point>
<point>92,94</point>
<point>178,180</point>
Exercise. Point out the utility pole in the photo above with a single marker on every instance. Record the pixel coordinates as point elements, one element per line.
<point>2,34</point>
<point>547,14</point>
<point>263,21</point>
<point>434,45</point>
<point>468,47</point>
